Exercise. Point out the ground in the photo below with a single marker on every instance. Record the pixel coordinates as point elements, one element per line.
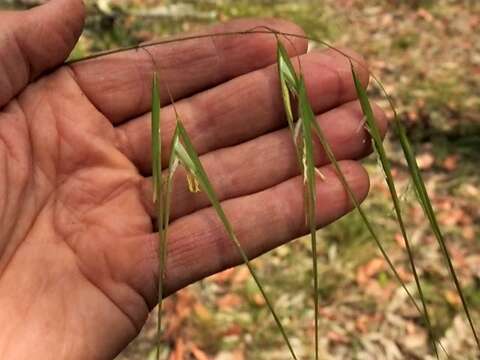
<point>428,56</point>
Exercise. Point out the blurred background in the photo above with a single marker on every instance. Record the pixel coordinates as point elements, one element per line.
<point>427,54</point>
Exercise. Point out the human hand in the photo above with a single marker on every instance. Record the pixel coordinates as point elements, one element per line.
<point>78,256</point>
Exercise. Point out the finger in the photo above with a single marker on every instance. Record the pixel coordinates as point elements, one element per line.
<point>243,108</point>
<point>269,160</point>
<point>199,246</point>
<point>36,40</point>
<point>119,84</point>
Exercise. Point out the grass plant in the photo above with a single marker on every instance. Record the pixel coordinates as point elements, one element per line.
<point>304,129</point>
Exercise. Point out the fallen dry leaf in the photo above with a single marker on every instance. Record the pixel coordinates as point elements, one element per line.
<point>452,297</point>
<point>241,275</point>
<point>370,269</point>
<point>337,338</point>
<point>425,161</point>
<point>451,162</point>
<point>425,15</point>
<point>404,274</point>
<point>179,350</point>
<point>229,301</point>
<point>400,240</point>
<point>258,299</point>
<point>197,353</point>
<point>202,312</point>
<point>234,329</point>
<point>361,323</point>
<point>223,277</point>
<point>468,232</point>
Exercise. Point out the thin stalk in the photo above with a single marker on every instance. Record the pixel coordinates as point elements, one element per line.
<point>306,162</point>
<point>162,190</point>
<point>182,151</point>
<point>158,199</point>
<point>353,199</point>
<point>427,207</point>
<point>386,167</point>
<point>425,202</point>
<point>299,88</point>
<point>291,85</point>
<point>255,30</point>
<point>186,153</point>
<point>311,197</point>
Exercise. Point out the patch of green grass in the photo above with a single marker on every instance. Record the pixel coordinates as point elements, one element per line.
<point>405,41</point>
<point>351,239</point>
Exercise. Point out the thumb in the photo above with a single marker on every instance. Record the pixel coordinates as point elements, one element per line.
<point>36,40</point>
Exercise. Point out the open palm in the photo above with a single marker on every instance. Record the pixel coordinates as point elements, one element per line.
<point>77,246</point>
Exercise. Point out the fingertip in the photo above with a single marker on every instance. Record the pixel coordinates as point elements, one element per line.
<point>72,12</point>
<point>381,119</point>
<point>329,78</point>
<point>344,57</point>
<point>49,32</point>
<point>360,64</point>
<point>378,114</point>
<point>295,39</point>
<point>357,179</point>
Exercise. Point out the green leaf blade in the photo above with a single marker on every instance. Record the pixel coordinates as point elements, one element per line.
<point>384,162</point>
<point>427,207</point>
<point>307,117</point>
<point>187,155</point>
<point>156,143</point>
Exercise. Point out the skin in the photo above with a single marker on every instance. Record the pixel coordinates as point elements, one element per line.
<point>78,255</point>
